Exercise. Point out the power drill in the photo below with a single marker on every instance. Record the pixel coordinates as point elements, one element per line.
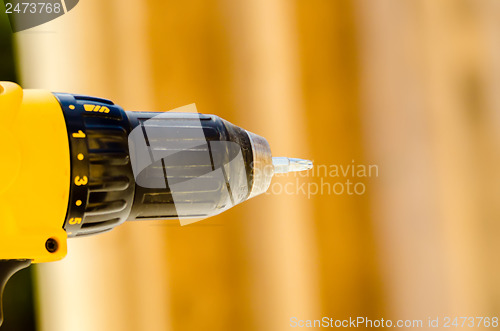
<point>74,165</point>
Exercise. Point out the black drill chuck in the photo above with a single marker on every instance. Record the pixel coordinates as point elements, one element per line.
<point>146,165</point>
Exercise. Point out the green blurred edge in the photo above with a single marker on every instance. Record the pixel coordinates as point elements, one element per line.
<point>18,298</point>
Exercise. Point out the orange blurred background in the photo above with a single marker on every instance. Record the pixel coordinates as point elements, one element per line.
<point>409,86</point>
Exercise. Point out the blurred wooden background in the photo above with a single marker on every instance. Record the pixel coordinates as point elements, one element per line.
<point>408,85</point>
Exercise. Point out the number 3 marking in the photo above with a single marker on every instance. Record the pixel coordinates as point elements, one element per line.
<point>81,181</point>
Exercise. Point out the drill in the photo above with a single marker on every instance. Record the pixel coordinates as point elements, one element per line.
<point>74,165</point>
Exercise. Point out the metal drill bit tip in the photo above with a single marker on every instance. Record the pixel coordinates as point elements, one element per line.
<point>285,164</point>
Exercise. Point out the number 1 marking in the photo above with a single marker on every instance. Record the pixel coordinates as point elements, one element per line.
<point>79,134</point>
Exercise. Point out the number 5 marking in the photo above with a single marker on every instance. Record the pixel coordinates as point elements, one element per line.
<point>76,220</point>
<point>81,181</point>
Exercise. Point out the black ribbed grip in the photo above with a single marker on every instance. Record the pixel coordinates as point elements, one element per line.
<point>145,165</point>
<point>102,182</point>
<point>199,148</point>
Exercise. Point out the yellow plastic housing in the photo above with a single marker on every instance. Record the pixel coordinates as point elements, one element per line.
<point>34,174</point>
